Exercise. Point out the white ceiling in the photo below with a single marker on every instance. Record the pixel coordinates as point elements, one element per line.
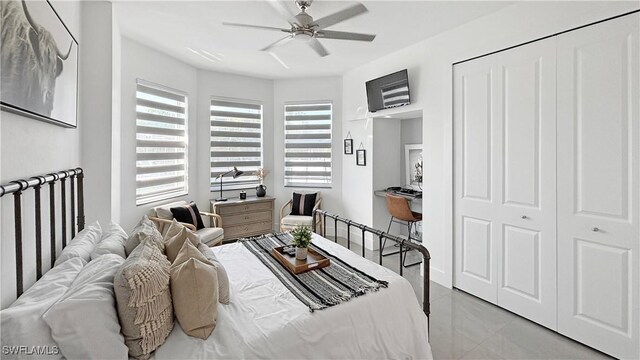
<point>173,27</point>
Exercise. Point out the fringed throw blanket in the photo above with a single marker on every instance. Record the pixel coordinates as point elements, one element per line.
<point>318,289</point>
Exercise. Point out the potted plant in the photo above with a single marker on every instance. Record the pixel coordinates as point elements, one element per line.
<point>301,240</point>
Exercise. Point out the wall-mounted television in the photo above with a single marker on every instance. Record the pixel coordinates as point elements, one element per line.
<point>388,91</point>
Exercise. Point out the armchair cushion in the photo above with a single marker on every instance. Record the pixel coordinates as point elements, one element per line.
<point>303,204</point>
<point>188,214</point>
<point>294,220</point>
<point>210,236</point>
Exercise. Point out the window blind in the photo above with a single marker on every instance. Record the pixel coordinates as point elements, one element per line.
<point>161,143</point>
<point>308,144</point>
<point>236,140</point>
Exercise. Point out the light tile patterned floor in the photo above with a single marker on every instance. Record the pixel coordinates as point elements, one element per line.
<point>465,327</point>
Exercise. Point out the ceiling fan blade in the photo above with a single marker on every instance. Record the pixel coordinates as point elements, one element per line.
<point>280,42</point>
<point>317,46</point>
<point>255,26</point>
<point>343,35</point>
<point>341,16</point>
<point>284,11</point>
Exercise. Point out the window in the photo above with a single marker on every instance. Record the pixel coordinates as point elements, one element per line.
<point>236,140</point>
<point>161,143</point>
<point>308,144</point>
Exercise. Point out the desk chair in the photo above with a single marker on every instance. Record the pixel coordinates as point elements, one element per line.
<point>401,213</point>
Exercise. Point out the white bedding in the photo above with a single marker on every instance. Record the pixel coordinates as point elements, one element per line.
<point>265,320</point>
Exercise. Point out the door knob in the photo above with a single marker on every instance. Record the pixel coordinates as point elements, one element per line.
<point>595,229</point>
<point>524,217</point>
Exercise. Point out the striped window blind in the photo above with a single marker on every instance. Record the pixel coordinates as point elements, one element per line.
<point>161,143</point>
<point>308,144</point>
<point>236,140</point>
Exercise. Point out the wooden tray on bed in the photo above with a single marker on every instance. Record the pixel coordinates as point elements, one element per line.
<point>314,260</point>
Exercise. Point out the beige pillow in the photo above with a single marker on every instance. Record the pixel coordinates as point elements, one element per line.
<point>173,229</point>
<point>176,237</point>
<point>194,291</point>
<point>145,228</point>
<point>223,279</point>
<point>143,298</point>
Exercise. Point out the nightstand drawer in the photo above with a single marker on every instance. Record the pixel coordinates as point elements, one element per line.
<point>232,232</point>
<point>246,218</point>
<point>244,208</point>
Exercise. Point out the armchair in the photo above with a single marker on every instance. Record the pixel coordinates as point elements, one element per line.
<point>210,236</point>
<point>289,222</point>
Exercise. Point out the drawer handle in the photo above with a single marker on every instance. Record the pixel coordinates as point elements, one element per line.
<point>524,217</point>
<point>595,229</point>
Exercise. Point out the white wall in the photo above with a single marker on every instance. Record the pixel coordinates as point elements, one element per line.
<point>410,133</point>
<point>201,85</point>
<point>141,62</point>
<point>96,109</point>
<point>301,90</point>
<point>238,87</point>
<point>384,158</point>
<point>29,147</point>
<point>429,64</point>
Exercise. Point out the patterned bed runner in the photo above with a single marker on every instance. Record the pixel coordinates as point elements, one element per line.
<point>317,289</point>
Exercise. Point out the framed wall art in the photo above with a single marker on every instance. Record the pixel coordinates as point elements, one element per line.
<point>348,144</point>
<point>413,165</point>
<point>361,157</point>
<point>39,63</point>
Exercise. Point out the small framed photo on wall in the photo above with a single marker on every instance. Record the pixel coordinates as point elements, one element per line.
<point>361,157</point>
<point>348,146</point>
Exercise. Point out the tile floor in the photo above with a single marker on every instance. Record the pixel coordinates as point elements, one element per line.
<point>465,327</point>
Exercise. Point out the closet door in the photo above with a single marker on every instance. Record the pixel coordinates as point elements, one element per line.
<point>598,186</point>
<point>504,209</point>
<point>475,228</point>
<point>526,194</point>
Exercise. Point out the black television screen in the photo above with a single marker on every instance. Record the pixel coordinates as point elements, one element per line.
<point>388,91</point>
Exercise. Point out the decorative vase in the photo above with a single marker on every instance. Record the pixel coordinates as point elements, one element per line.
<point>301,253</point>
<point>261,190</point>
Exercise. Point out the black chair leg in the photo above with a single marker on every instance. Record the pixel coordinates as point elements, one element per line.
<point>404,258</point>
<point>385,242</point>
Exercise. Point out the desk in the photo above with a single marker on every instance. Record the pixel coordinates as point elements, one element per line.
<point>383,193</point>
<point>244,218</point>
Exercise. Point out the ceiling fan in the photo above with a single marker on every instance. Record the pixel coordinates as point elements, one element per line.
<point>304,27</point>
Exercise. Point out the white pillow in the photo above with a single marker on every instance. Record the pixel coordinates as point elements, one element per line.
<point>113,240</point>
<point>22,323</point>
<point>84,322</point>
<point>82,245</point>
<point>114,229</point>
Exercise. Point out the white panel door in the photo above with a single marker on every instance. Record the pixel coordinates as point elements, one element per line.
<point>598,186</point>
<point>504,210</point>
<point>526,194</point>
<point>475,231</point>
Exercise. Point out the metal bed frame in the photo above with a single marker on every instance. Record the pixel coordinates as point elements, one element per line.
<point>403,243</point>
<point>16,188</point>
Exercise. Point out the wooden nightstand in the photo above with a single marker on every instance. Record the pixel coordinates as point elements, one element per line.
<point>244,218</point>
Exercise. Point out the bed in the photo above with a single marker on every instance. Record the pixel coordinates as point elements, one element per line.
<point>265,320</point>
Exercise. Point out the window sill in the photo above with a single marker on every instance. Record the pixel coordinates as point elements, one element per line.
<point>307,186</point>
<point>160,198</point>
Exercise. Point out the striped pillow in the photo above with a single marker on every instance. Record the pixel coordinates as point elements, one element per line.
<point>188,214</point>
<point>303,204</point>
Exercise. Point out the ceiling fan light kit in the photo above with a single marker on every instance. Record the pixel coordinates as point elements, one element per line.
<point>305,28</point>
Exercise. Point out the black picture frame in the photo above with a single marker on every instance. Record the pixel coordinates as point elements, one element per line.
<point>44,15</point>
<point>361,157</point>
<point>348,146</point>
